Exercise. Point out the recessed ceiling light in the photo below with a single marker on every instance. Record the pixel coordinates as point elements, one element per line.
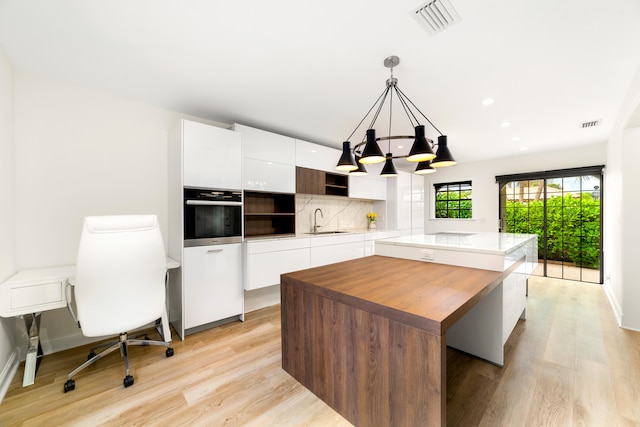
<point>399,146</point>
<point>515,138</point>
<point>505,124</point>
<point>488,101</point>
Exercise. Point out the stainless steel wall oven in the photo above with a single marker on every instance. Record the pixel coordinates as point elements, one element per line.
<point>212,216</point>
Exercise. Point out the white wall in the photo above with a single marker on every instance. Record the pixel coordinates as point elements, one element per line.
<point>622,229</point>
<point>485,188</point>
<point>8,349</point>
<point>78,153</point>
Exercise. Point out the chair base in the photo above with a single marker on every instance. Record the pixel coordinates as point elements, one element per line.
<point>123,343</point>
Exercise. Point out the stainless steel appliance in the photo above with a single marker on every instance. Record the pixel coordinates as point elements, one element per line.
<point>212,216</point>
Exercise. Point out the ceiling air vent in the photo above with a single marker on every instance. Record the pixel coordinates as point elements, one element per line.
<point>590,124</point>
<point>436,15</point>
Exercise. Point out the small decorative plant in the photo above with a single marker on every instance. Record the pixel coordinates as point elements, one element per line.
<point>372,216</point>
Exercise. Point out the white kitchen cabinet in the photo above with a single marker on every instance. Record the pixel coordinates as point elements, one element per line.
<point>371,187</point>
<point>336,248</point>
<point>212,280</point>
<point>265,261</point>
<point>417,204</point>
<point>268,160</point>
<point>399,202</point>
<point>212,156</point>
<point>268,146</point>
<point>370,238</point>
<point>315,156</point>
<point>260,175</point>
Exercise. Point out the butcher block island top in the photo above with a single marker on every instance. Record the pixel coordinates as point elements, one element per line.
<point>367,336</point>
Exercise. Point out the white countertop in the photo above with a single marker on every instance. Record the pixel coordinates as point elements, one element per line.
<point>497,243</point>
<point>374,234</point>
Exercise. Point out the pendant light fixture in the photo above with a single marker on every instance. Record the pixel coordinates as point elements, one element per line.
<point>422,149</point>
<point>347,161</point>
<point>361,169</point>
<point>389,169</point>
<point>424,168</point>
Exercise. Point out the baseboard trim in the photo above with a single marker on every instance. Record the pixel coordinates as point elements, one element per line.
<point>8,372</point>
<point>614,304</point>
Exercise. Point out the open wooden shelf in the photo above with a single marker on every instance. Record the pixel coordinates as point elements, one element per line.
<point>268,214</point>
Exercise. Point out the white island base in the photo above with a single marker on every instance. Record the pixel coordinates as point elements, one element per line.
<point>484,330</point>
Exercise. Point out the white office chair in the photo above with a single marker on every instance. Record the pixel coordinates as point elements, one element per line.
<point>120,284</point>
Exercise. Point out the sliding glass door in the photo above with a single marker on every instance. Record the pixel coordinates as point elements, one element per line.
<point>564,208</point>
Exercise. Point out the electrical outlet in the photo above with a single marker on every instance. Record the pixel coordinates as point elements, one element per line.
<point>427,255</point>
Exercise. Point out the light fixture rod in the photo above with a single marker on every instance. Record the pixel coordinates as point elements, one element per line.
<point>414,106</point>
<point>406,108</point>
<point>367,115</point>
<point>384,98</point>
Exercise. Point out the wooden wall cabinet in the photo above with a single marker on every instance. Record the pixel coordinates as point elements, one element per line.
<point>313,181</point>
<point>268,214</point>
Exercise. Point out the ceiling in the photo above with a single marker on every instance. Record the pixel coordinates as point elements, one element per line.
<point>312,70</point>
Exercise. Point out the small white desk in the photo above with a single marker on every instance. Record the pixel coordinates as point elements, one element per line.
<point>28,293</point>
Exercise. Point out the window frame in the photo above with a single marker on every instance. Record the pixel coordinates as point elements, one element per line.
<point>451,188</point>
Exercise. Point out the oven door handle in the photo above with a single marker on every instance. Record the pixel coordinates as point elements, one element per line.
<point>211,203</point>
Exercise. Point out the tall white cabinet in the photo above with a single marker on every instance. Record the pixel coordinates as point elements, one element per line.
<point>212,156</point>
<point>405,203</point>
<point>268,160</point>
<point>208,288</point>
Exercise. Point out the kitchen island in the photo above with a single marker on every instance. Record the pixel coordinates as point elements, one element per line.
<point>368,336</point>
<point>485,329</point>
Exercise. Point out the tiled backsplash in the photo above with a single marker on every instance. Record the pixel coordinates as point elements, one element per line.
<point>338,213</point>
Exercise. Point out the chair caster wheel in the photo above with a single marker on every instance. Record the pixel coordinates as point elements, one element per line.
<point>69,385</point>
<point>128,380</point>
<point>91,355</point>
<point>169,352</point>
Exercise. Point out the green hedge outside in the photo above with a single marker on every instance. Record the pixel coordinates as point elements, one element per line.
<point>573,227</point>
<point>453,204</point>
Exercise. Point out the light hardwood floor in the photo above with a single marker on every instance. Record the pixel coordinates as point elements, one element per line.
<point>568,364</point>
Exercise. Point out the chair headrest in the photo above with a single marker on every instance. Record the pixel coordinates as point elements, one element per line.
<point>120,223</point>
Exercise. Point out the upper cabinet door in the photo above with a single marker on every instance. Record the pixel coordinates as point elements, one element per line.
<point>372,186</point>
<point>260,175</point>
<point>270,147</point>
<point>211,156</point>
<point>314,156</point>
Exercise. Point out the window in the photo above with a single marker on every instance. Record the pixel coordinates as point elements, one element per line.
<point>453,200</point>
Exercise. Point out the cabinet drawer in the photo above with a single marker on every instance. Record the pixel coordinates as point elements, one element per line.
<point>337,239</point>
<point>324,255</point>
<point>33,297</point>
<point>264,269</point>
<point>277,245</point>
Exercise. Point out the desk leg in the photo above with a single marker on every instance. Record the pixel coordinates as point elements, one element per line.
<point>34,353</point>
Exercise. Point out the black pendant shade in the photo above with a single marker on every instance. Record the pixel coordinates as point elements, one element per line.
<point>346,162</point>
<point>424,168</point>
<point>421,150</point>
<point>443,155</point>
<point>361,169</point>
<point>389,169</point>
<point>372,153</point>
<point>368,151</point>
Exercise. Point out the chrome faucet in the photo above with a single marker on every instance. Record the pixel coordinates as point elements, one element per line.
<point>315,219</point>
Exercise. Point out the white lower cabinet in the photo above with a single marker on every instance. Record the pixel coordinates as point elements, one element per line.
<point>329,249</point>
<point>267,260</point>
<point>212,280</point>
